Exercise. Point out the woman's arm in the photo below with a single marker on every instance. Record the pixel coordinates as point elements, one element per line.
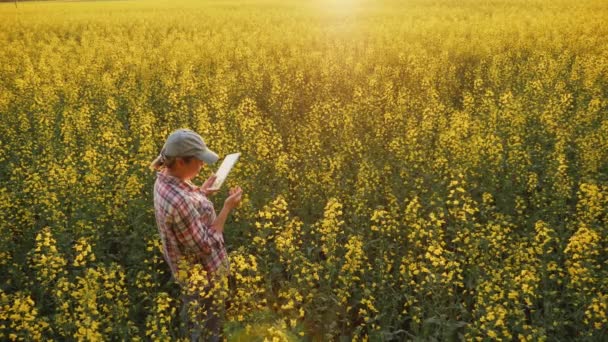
<point>230,203</point>
<point>220,220</point>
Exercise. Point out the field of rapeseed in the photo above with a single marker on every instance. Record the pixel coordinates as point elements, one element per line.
<point>411,169</point>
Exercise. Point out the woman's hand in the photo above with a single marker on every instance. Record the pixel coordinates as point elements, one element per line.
<point>205,187</point>
<point>234,198</point>
<point>231,202</point>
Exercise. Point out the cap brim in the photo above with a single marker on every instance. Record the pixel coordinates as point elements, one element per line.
<point>208,156</point>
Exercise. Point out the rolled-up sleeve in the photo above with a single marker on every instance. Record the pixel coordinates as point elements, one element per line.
<point>193,229</point>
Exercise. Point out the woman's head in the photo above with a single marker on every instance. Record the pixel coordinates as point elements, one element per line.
<point>184,154</point>
<point>186,167</point>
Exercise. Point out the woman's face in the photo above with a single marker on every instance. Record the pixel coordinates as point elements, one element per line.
<point>192,168</point>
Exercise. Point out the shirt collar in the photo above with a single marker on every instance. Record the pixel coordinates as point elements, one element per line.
<point>175,180</point>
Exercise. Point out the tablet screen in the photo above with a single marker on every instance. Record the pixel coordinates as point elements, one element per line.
<point>224,170</point>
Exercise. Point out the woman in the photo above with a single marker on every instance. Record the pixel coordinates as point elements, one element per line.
<point>190,230</point>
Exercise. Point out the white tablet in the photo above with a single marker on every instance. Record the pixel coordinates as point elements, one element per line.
<point>224,170</point>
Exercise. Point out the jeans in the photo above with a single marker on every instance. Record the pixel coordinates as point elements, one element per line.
<point>205,323</point>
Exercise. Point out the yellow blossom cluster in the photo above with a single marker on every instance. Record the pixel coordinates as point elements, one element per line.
<point>248,295</point>
<point>147,280</point>
<point>596,314</point>
<point>330,229</point>
<point>158,323</point>
<point>20,318</point>
<point>584,259</point>
<point>46,260</point>
<point>83,253</point>
<point>353,268</point>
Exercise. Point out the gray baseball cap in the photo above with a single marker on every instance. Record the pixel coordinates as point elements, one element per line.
<point>185,142</point>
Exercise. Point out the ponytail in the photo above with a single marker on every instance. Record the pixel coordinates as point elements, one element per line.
<point>163,161</point>
<point>158,163</point>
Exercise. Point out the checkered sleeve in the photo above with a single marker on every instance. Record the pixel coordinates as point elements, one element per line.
<point>192,228</point>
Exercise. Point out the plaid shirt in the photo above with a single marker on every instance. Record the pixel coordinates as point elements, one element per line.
<point>184,216</point>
